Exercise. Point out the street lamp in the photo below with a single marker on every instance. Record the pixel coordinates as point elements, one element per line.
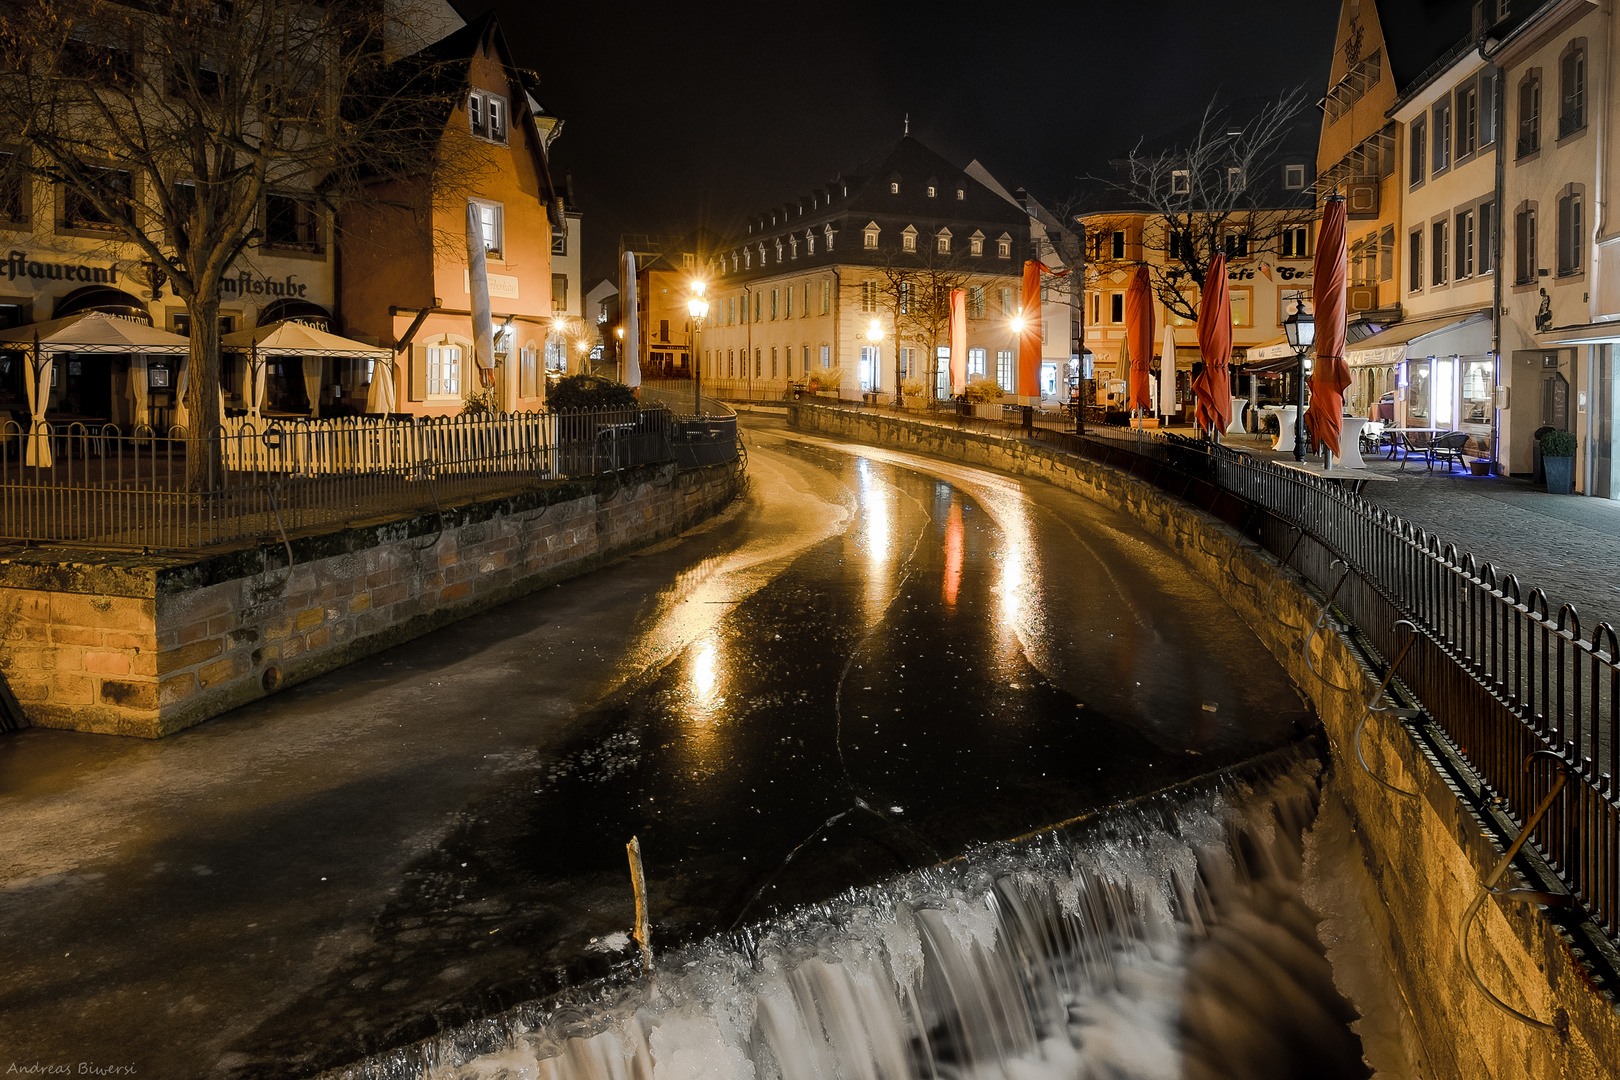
<point>874,334</point>
<point>698,308</point>
<point>1301,331</point>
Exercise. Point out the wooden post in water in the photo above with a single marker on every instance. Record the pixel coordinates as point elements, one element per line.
<point>638,882</point>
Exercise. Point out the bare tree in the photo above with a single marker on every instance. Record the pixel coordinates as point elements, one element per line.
<point>164,128</point>
<point>1214,191</point>
<point>916,287</point>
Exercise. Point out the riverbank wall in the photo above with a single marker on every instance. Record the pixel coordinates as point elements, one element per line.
<point>147,645</point>
<point>1427,851</point>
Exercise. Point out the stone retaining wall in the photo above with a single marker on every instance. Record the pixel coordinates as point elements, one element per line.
<point>148,645</point>
<point>1427,854</point>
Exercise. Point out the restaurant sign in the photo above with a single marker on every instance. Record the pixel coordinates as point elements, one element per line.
<point>245,284</point>
<point>19,265</point>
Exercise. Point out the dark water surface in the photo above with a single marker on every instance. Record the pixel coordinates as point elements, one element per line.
<point>953,656</point>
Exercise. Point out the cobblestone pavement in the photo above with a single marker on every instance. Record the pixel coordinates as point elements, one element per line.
<point>1566,545</point>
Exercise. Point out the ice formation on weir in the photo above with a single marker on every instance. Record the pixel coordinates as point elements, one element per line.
<point>1166,940</point>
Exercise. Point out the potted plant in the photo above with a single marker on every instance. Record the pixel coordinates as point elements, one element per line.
<point>1537,474</point>
<point>1480,467</point>
<point>912,391</point>
<point>1558,459</point>
<point>986,398</point>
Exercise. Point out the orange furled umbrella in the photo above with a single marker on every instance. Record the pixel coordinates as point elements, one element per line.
<point>1214,384</point>
<point>1139,340</point>
<point>958,340</point>
<point>1029,336</point>
<point>1325,417</point>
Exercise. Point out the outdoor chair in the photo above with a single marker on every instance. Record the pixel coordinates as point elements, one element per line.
<point>1372,436</point>
<point>1447,448</point>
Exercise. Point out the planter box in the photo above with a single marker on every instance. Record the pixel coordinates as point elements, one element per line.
<point>1560,474</point>
<point>1479,468</point>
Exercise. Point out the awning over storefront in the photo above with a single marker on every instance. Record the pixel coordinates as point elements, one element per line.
<point>95,332</point>
<point>1603,333</point>
<point>292,338</point>
<point>1446,335</point>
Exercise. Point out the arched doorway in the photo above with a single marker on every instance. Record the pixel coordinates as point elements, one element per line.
<point>302,310</point>
<point>102,298</point>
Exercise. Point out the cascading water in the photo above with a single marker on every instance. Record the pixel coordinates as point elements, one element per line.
<point>1165,940</point>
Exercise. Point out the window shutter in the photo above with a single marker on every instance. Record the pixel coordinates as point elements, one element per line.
<point>418,374</point>
<point>1565,208</point>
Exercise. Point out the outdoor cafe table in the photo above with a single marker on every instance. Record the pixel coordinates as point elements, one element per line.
<point>1350,442</point>
<point>1285,415</point>
<point>1408,434</point>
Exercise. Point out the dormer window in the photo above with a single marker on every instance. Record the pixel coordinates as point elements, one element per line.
<point>1180,182</point>
<point>872,231</point>
<point>779,251</point>
<point>961,194</point>
<point>487,113</point>
<point>748,259</point>
<point>908,239</point>
<point>942,241</point>
<point>1004,247</point>
<point>828,233</point>
<point>1294,177</point>
<point>976,244</point>
<point>809,241</point>
<point>894,187</point>
<point>930,191</point>
<point>793,247</point>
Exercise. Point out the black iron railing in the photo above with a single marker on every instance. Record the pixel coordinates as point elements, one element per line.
<point>1500,673</point>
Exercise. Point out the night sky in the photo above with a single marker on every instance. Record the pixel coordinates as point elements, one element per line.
<point>677,115</point>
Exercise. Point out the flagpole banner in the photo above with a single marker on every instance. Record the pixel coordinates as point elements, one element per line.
<point>958,340</point>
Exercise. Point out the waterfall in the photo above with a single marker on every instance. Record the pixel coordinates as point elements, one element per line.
<point>1163,940</point>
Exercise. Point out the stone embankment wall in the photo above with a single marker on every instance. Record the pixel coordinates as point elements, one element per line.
<point>148,645</point>
<point>1427,853</point>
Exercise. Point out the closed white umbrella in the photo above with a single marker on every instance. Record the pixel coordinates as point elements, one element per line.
<point>483,323</point>
<point>631,351</point>
<point>39,398</point>
<point>380,396</point>
<point>1167,373</point>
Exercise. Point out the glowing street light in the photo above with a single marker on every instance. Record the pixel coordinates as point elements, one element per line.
<point>1017,324</point>
<point>698,309</point>
<point>874,332</point>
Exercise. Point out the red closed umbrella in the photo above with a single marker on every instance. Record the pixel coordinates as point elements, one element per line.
<point>1139,341</point>
<point>1325,417</point>
<point>1214,384</point>
<point>958,340</point>
<point>1029,338</point>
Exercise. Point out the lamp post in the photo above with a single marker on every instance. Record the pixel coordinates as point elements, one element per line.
<point>698,308</point>
<point>874,334</point>
<point>1301,331</point>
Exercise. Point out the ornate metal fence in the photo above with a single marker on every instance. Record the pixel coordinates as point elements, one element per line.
<point>1501,673</point>
<point>106,488</point>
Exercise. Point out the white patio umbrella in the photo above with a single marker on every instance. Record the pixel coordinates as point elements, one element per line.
<point>380,395</point>
<point>630,352</point>
<point>483,323</point>
<point>1167,373</point>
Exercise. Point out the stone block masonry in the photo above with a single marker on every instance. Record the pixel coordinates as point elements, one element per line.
<point>149,644</point>
<point>1426,855</point>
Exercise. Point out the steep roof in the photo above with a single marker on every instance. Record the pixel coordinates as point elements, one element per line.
<point>446,65</point>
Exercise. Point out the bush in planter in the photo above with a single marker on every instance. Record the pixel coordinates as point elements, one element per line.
<point>1558,459</point>
<point>982,392</point>
<point>911,387</point>
<point>590,392</point>
<point>1270,424</point>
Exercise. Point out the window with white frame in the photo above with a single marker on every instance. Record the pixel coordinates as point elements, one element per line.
<point>1004,247</point>
<point>894,187</point>
<point>1294,242</point>
<point>809,243</point>
<point>1464,244</point>
<point>943,242</point>
<point>490,223</point>
<point>827,234</point>
<point>1006,301</point>
<point>443,370</point>
<point>1180,182</point>
<point>871,237</point>
<point>908,239</point>
<point>826,297</point>
<point>975,362</point>
<point>487,113</point>
<point>930,191</point>
<point>961,194</point>
<point>1294,177</point>
<point>975,301</point>
<point>1234,178</point>
<point>976,244</point>
<point>826,357</point>
<point>1439,252</point>
<point>1570,239</point>
<point>1006,371</point>
<point>869,295</point>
